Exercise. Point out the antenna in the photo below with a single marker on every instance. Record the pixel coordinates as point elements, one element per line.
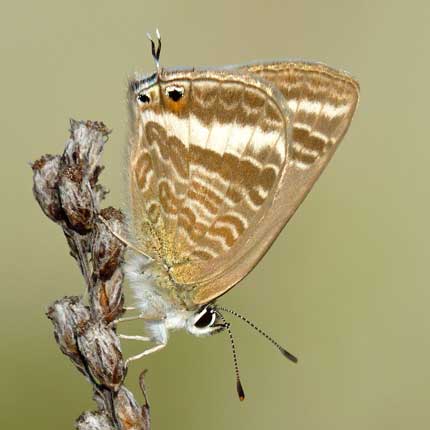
<point>155,52</point>
<point>284,352</point>
<point>239,386</point>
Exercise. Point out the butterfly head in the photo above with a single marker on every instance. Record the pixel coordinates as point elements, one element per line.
<point>206,321</point>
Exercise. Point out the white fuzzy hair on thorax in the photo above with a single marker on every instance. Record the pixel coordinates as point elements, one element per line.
<point>159,314</point>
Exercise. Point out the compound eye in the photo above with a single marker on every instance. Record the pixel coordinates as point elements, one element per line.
<point>143,98</point>
<point>206,319</point>
<point>175,93</point>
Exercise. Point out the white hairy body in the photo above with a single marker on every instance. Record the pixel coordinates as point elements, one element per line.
<point>158,313</point>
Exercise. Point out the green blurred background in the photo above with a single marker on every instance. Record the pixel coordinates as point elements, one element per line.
<point>345,287</point>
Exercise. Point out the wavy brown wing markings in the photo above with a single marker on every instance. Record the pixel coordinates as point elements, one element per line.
<point>232,223</point>
<point>229,99</point>
<point>195,208</point>
<point>329,125</point>
<point>221,174</point>
<point>306,107</point>
<point>174,186</point>
<point>218,164</point>
<point>252,177</point>
<point>217,272</point>
<point>183,207</point>
<point>153,161</point>
<point>235,216</point>
<point>213,123</point>
<point>212,241</point>
<point>321,101</point>
<point>209,173</point>
<point>337,95</point>
<point>319,113</point>
<point>155,137</point>
<point>180,126</point>
<point>145,214</point>
<point>230,150</point>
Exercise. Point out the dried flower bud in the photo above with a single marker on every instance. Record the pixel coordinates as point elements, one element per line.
<point>107,249</point>
<point>107,298</point>
<point>76,199</point>
<point>100,347</point>
<point>45,182</point>
<point>87,139</point>
<point>130,414</point>
<point>94,421</point>
<point>107,254</point>
<point>69,316</point>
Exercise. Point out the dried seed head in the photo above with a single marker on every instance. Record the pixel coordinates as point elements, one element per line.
<point>94,421</point>
<point>107,298</point>
<point>45,182</point>
<point>107,255</point>
<point>76,198</point>
<point>87,139</point>
<point>69,316</point>
<point>100,347</point>
<point>129,411</point>
<point>108,250</point>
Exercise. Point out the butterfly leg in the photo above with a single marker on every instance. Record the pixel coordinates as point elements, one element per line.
<point>142,338</point>
<point>146,316</point>
<point>144,353</point>
<point>120,320</point>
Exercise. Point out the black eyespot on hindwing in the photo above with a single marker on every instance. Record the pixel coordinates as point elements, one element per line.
<point>143,98</point>
<point>175,93</point>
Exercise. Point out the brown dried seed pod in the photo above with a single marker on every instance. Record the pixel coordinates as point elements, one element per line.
<point>129,413</point>
<point>76,199</point>
<point>85,145</point>
<point>107,298</point>
<point>69,315</point>
<point>45,183</point>
<point>107,254</point>
<point>101,348</point>
<point>108,250</point>
<point>94,421</point>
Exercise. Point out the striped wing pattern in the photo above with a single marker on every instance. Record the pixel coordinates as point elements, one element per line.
<point>321,102</point>
<point>203,167</point>
<point>207,171</point>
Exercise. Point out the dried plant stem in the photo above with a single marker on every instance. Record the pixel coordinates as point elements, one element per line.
<point>66,188</point>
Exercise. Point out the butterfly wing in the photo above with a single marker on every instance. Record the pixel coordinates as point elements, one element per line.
<point>199,163</point>
<point>227,165</point>
<point>320,104</point>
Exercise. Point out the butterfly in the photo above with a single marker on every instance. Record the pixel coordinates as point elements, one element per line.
<point>218,162</point>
